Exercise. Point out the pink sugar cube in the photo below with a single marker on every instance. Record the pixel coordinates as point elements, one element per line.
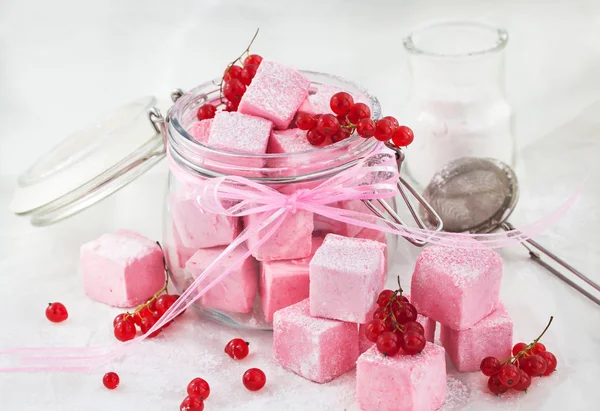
<point>375,235</point>
<point>491,336</point>
<point>182,252</point>
<point>310,347</point>
<point>319,101</point>
<point>402,382</point>
<point>456,287</point>
<point>358,206</point>
<point>201,130</point>
<point>237,290</point>
<point>290,141</point>
<point>275,93</point>
<point>324,225</point>
<point>234,131</point>
<point>285,282</point>
<point>292,240</point>
<point>427,323</point>
<point>200,229</point>
<point>123,269</point>
<point>346,276</point>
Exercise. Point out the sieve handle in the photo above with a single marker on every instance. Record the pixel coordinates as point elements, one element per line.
<point>536,257</point>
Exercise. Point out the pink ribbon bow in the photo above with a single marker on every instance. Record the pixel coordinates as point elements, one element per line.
<point>373,177</point>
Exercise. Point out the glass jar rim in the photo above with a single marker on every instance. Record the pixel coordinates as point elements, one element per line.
<point>498,35</point>
<point>183,148</point>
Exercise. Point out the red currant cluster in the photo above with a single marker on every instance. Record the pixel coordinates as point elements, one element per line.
<point>234,82</point>
<point>516,372</point>
<point>394,325</point>
<point>144,316</point>
<point>349,117</point>
<point>198,390</point>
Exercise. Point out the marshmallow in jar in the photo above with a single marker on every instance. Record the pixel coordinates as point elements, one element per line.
<point>457,106</point>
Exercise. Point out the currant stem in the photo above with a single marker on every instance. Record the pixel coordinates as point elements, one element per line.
<point>245,52</point>
<point>543,332</point>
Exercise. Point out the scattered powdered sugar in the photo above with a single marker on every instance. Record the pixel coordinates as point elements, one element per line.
<point>457,394</point>
<point>462,266</point>
<point>240,132</point>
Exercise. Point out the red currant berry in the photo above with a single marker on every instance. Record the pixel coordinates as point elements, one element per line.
<point>253,59</point>
<point>393,120</point>
<point>234,89</point>
<point>538,348</point>
<point>254,379</point>
<point>305,121</point>
<point>524,381</point>
<point>192,403</point>
<point>328,125</point>
<point>314,137</point>
<point>232,72</point>
<point>343,120</point>
<point>412,342</point>
<point>56,312</point>
<point>366,128</point>
<point>490,366</point>
<point>380,314</point>
<point>148,323</point>
<point>342,134</point>
<point>384,130</point>
<point>164,302</point>
<point>110,380</point>
<point>550,362</point>
<point>199,387</point>
<point>385,297</point>
<point>123,317</point>
<point>341,102</point>
<point>495,386</point>
<point>248,73</point>
<point>206,111</point>
<point>237,349</point>
<point>231,106</point>
<point>357,112</point>
<point>402,136</point>
<point>403,300</point>
<point>414,326</point>
<point>508,375</point>
<point>140,315</point>
<point>534,365</point>
<point>151,303</point>
<point>405,313</point>
<point>518,348</point>
<point>124,331</point>
<point>374,329</point>
<point>387,344</point>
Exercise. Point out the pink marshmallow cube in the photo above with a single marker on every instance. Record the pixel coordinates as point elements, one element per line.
<point>199,229</point>
<point>237,132</point>
<point>201,130</point>
<point>456,287</point>
<point>292,240</point>
<point>290,141</point>
<point>346,276</point>
<point>285,282</point>
<point>182,252</point>
<point>123,269</point>
<point>427,323</point>
<point>358,206</point>
<point>275,93</point>
<point>237,290</point>
<point>319,101</point>
<point>491,336</point>
<point>317,349</point>
<point>375,235</point>
<point>402,382</point>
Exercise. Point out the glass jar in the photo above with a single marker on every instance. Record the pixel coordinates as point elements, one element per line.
<point>237,300</point>
<point>457,105</point>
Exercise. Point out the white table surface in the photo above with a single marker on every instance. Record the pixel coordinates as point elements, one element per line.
<point>63,62</point>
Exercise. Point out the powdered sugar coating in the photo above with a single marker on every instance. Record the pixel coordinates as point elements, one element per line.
<point>234,131</point>
<point>201,130</point>
<point>492,336</point>
<point>346,275</point>
<point>310,347</point>
<point>402,382</point>
<point>275,93</point>
<point>319,102</point>
<point>456,287</point>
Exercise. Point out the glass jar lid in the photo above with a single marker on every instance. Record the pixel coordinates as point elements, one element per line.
<point>91,164</point>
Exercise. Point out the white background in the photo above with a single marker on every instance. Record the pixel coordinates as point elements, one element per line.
<point>64,62</point>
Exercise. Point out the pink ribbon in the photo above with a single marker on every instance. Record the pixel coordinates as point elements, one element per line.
<point>373,177</point>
